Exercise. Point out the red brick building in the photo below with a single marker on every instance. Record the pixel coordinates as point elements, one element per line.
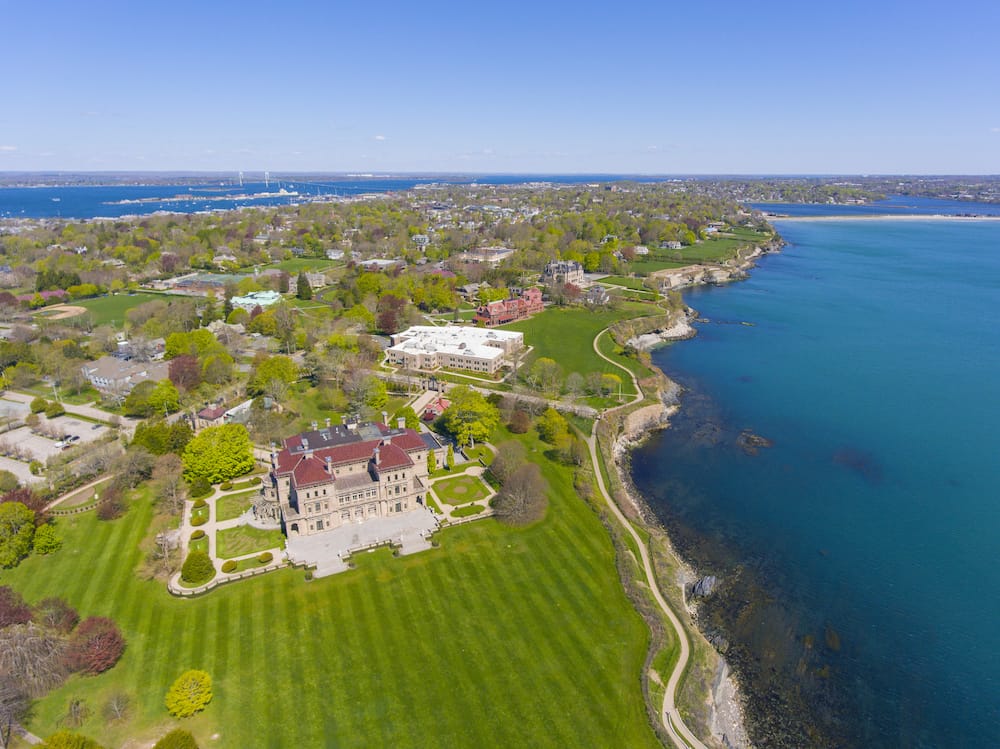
<point>509,310</point>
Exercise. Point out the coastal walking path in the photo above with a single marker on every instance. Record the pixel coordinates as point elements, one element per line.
<point>680,734</point>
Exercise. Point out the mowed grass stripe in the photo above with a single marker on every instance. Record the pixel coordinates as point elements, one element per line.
<point>559,680</point>
<point>303,668</point>
<point>391,710</point>
<point>359,687</point>
<point>504,700</point>
<point>398,644</point>
<point>452,683</point>
<point>319,602</point>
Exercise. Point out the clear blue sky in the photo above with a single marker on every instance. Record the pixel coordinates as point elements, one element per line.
<point>652,86</point>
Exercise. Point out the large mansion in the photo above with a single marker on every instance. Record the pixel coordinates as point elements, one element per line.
<point>509,310</point>
<point>329,477</point>
<point>453,347</point>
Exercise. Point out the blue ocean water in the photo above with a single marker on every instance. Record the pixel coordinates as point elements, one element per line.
<point>111,201</point>
<point>873,364</point>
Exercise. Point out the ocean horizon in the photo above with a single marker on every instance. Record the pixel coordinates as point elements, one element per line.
<point>857,553</point>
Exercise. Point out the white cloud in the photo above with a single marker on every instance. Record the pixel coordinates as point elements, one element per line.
<point>379,137</point>
<point>995,129</point>
<point>8,148</point>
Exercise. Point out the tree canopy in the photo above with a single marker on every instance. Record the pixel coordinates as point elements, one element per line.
<point>219,453</point>
<point>470,416</point>
<point>17,531</point>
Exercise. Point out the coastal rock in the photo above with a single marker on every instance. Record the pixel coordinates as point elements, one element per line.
<point>704,587</point>
<point>750,443</point>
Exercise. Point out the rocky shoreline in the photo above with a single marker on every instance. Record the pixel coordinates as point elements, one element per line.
<point>728,705</point>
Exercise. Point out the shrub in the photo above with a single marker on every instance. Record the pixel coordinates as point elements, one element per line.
<point>226,486</point>
<point>197,568</point>
<point>199,503</point>
<point>189,694</point>
<point>197,534</point>
<point>35,467</point>
<point>68,740</point>
<point>229,566</point>
<point>56,614</point>
<point>177,739</point>
<point>265,557</point>
<point>38,405</point>
<point>199,520</point>
<point>13,609</point>
<point>200,488</point>
<point>113,504</point>
<point>255,480</point>
<point>95,646</point>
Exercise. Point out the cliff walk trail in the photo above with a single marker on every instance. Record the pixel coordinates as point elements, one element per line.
<point>680,734</point>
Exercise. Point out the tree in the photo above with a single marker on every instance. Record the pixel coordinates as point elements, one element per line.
<point>17,531</point>
<point>117,707</point>
<point>551,425</point>
<point>409,416</point>
<point>280,368</point>
<point>8,481</point>
<point>432,463</point>
<point>46,540</point>
<point>545,375</point>
<point>449,460</point>
<point>38,405</point>
<point>132,467</point>
<point>189,694</point>
<point>522,499</point>
<point>137,401</point>
<point>14,704</point>
<point>95,646</point>
<point>185,372</point>
<point>13,609</point>
<point>304,290</point>
<point>470,416</point>
<point>219,453</point>
<point>164,398</point>
<point>31,657</point>
<point>510,456</point>
<point>520,421</point>
<point>168,483</point>
<point>197,568</point>
<point>177,739</point>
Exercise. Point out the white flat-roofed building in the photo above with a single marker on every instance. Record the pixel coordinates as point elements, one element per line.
<point>256,299</point>
<point>457,347</point>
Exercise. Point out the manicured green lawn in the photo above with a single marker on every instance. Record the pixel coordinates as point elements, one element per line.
<point>461,512</point>
<point>567,335</point>
<point>545,650</point>
<point>235,542</point>
<point>628,283</point>
<point>111,309</point>
<point>459,490</point>
<point>233,505</point>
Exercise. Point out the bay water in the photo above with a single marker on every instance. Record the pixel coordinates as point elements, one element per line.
<point>862,549</point>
